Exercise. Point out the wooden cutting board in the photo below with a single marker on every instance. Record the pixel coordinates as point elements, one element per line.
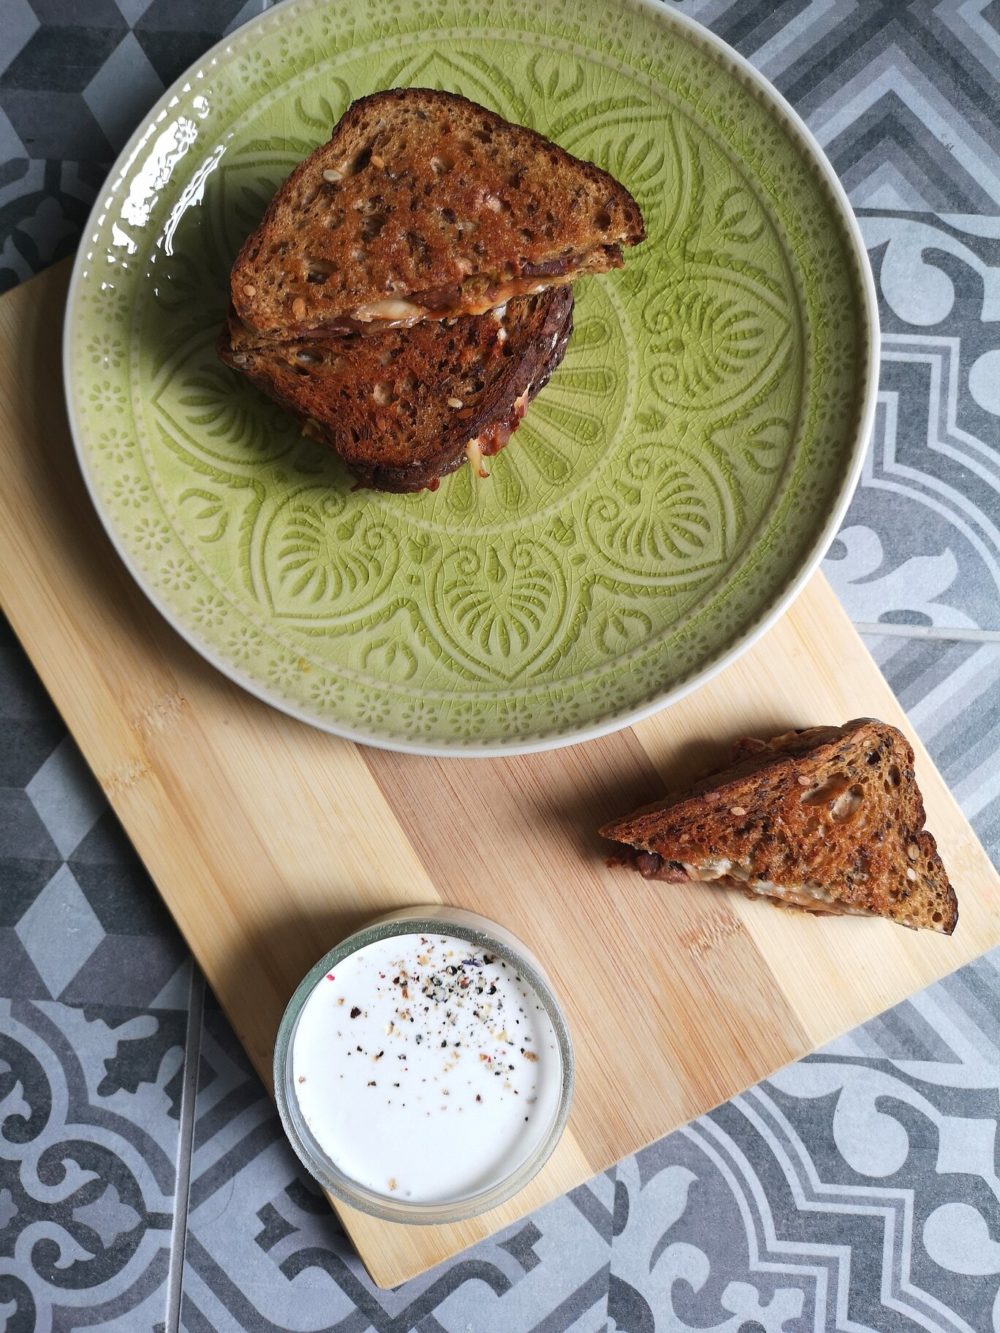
<point>269,840</point>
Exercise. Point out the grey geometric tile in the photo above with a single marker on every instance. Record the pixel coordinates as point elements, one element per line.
<point>69,14</point>
<point>66,796</point>
<point>62,59</point>
<point>95,931</point>
<point>914,86</point>
<point>87,1166</point>
<point>23,693</point>
<point>264,1249</point>
<point>20,23</point>
<point>921,541</point>
<point>564,1285</point>
<point>22,833</point>
<point>42,210</point>
<point>122,90</point>
<point>856,1185</point>
<point>133,10</point>
<point>106,844</point>
<point>54,123</point>
<point>891,112</point>
<point>11,146</point>
<point>117,884</point>
<point>683,1257</point>
<point>18,975</point>
<point>21,881</point>
<point>14,267</point>
<point>191,16</point>
<point>248,10</point>
<point>951,692</point>
<point>126,970</point>
<point>886,189</point>
<point>59,931</point>
<point>175,994</point>
<point>174,33</point>
<point>30,729</point>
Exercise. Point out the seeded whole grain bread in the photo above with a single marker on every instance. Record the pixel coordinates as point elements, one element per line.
<point>423,205</point>
<point>404,407</point>
<point>829,818</point>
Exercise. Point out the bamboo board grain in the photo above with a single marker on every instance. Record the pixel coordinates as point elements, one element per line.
<point>269,840</point>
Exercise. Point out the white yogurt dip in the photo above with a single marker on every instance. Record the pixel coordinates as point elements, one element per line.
<point>426,1068</point>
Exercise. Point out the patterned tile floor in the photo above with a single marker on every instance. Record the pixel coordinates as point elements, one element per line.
<point>144,1183</point>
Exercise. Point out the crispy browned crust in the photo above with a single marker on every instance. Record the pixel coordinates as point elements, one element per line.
<point>386,401</point>
<point>836,807</point>
<point>435,197</point>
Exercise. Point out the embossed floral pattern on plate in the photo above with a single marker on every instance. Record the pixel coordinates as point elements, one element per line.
<point>668,487</point>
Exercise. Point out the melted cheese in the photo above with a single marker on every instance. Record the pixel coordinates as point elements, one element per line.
<point>506,292</point>
<point>704,872</point>
<point>474,453</point>
<point>731,874</point>
<point>810,896</point>
<point>398,313</point>
<point>391,310</point>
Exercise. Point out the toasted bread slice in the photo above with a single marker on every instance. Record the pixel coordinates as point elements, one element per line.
<point>404,407</point>
<point>423,205</point>
<point>830,819</point>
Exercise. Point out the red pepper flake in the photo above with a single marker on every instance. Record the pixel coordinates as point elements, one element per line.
<point>355,1012</point>
<point>331,976</point>
<point>302,1078</point>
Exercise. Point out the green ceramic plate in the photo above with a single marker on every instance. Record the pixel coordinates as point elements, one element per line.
<point>670,489</point>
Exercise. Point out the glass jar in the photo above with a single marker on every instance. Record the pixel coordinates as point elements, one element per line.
<point>479,933</point>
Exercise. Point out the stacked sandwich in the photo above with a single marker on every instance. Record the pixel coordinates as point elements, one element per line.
<point>408,291</point>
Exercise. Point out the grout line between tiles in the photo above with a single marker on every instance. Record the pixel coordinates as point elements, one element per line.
<point>943,632</point>
<point>185,1140</point>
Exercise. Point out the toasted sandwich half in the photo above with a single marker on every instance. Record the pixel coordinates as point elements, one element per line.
<point>404,407</point>
<point>829,819</point>
<point>424,206</point>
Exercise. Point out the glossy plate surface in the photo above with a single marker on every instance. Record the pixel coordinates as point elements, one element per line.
<point>670,489</point>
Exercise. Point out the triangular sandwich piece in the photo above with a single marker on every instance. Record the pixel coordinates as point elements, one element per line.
<point>424,205</point>
<point>830,819</point>
<point>404,407</point>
